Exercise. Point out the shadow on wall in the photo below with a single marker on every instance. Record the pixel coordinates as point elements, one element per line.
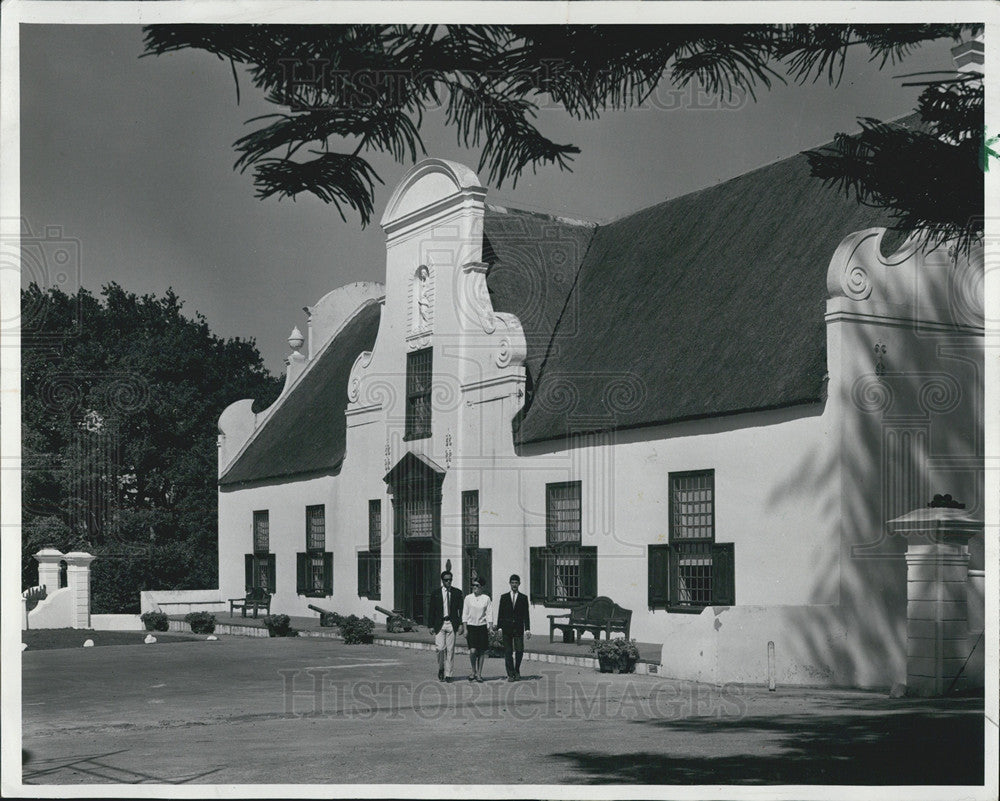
<point>934,744</point>
<point>912,427</point>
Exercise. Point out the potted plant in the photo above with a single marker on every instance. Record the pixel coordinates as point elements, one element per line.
<point>616,656</point>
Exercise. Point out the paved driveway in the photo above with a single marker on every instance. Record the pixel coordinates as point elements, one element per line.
<point>250,711</point>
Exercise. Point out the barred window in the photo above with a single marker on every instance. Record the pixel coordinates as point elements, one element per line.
<point>261,535</point>
<point>419,374</point>
<point>375,525</point>
<point>692,571</point>
<point>315,528</point>
<point>470,518</point>
<point>564,575</point>
<point>418,517</point>
<point>562,513</point>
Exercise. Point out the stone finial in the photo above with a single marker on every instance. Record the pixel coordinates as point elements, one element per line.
<point>295,339</point>
<point>945,502</point>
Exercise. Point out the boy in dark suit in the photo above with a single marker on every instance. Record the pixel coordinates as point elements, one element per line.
<point>513,620</point>
<point>444,618</point>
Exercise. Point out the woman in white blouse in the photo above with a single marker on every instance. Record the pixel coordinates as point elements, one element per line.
<point>476,617</point>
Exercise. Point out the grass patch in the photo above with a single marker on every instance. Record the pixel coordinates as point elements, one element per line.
<point>48,639</point>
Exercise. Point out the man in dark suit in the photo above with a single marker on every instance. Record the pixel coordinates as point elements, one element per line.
<point>444,618</point>
<point>513,620</point>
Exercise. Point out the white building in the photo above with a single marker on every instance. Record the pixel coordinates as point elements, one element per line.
<point>707,410</point>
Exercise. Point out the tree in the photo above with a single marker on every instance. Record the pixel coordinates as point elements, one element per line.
<point>348,90</point>
<point>121,396</point>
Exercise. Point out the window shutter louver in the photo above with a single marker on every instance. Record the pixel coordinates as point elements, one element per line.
<point>657,564</point>
<point>248,567</point>
<point>588,573</point>
<point>272,573</point>
<point>723,574</point>
<point>328,573</point>
<point>301,574</point>
<point>536,570</point>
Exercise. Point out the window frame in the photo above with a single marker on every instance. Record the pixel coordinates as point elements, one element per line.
<point>418,426</point>
<point>550,513</point>
<point>663,559</point>
<point>543,580</point>
<point>370,561</point>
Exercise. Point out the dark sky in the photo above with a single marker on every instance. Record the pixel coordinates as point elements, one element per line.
<point>133,157</point>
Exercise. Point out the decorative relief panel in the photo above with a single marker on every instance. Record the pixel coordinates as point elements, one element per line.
<point>420,308</point>
<point>357,372</point>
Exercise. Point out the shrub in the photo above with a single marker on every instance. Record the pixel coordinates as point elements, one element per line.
<point>154,621</point>
<point>356,629</point>
<point>618,655</point>
<point>200,622</point>
<point>280,626</point>
<point>496,642</point>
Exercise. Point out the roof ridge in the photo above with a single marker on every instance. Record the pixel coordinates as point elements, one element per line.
<point>507,209</point>
<point>297,381</point>
<point>768,165</point>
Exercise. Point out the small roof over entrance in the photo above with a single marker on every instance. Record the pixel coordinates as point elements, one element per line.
<point>413,466</point>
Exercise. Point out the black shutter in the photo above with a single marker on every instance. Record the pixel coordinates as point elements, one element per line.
<point>328,573</point>
<point>588,573</point>
<point>536,574</point>
<point>363,574</point>
<point>272,574</point>
<point>657,560</point>
<point>301,574</point>
<point>375,576</point>
<point>673,573</point>
<point>248,567</point>
<point>723,574</point>
<point>484,566</point>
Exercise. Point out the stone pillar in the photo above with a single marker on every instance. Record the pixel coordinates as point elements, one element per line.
<point>937,572</point>
<point>48,569</point>
<point>78,580</point>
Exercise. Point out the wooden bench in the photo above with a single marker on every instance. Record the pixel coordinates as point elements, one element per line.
<point>601,614</point>
<point>256,598</point>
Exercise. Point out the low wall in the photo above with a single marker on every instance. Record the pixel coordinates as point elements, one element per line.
<point>53,612</point>
<point>116,623</point>
<point>180,602</point>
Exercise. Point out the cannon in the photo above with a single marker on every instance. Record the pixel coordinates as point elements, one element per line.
<point>396,621</point>
<point>327,619</point>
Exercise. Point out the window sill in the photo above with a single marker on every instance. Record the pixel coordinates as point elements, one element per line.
<point>563,603</point>
<point>314,594</point>
<point>685,610</point>
<point>420,435</point>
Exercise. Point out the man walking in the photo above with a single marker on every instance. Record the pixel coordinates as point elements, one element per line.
<point>512,619</point>
<point>444,618</point>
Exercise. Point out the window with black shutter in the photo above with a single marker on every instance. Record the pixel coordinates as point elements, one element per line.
<point>370,561</point>
<point>564,572</point>
<point>477,562</point>
<point>419,374</point>
<point>260,564</point>
<point>692,571</point>
<point>314,566</point>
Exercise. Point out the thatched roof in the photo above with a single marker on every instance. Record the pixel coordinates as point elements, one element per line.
<point>307,433</point>
<point>707,304</point>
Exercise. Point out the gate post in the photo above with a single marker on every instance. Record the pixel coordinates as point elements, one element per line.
<point>48,569</point>
<point>78,580</point>
<point>937,572</point>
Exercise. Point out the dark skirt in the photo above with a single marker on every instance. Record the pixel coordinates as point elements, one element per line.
<point>478,637</point>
